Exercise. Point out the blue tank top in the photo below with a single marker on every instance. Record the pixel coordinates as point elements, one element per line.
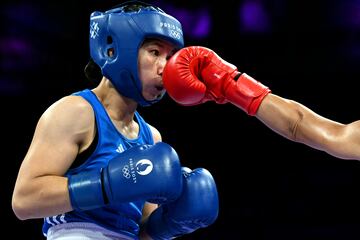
<point>123,218</point>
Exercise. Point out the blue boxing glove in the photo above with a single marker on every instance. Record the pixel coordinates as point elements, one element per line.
<point>197,207</point>
<point>146,172</point>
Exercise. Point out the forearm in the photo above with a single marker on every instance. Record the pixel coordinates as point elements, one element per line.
<point>297,123</point>
<point>147,210</point>
<point>42,197</point>
<point>143,235</point>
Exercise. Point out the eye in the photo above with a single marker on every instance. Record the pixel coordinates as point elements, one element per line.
<point>155,52</point>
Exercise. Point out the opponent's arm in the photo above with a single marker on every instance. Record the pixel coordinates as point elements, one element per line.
<point>41,189</point>
<point>196,74</point>
<point>299,123</point>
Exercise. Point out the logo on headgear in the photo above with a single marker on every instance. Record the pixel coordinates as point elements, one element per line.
<point>175,31</point>
<point>175,34</point>
<point>94,30</point>
<point>144,167</point>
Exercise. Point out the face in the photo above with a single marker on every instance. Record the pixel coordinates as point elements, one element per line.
<point>152,58</point>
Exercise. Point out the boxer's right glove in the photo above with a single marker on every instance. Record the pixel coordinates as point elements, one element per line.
<point>197,207</point>
<point>197,74</point>
<point>146,172</point>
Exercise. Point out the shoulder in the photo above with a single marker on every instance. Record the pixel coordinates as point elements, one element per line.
<point>156,134</point>
<point>70,115</point>
<point>74,108</point>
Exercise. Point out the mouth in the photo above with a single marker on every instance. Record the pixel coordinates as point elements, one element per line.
<point>159,88</point>
<point>160,91</point>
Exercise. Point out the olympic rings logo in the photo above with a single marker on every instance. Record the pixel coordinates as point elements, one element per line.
<point>142,167</point>
<point>126,171</point>
<point>175,34</point>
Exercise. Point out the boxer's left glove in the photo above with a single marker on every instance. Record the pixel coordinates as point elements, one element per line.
<point>197,207</point>
<point>197,74</point>
<point>146,172</point>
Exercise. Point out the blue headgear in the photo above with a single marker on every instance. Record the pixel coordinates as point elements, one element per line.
<point>124,31</point>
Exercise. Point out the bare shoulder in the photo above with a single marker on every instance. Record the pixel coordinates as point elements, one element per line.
<point>156,134</point>
<point>71,104</point>
<point>71,116</point>
<point>62,131</point>
<point>73,109</point>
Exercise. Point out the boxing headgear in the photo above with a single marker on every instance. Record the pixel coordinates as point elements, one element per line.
<point>124,29</point>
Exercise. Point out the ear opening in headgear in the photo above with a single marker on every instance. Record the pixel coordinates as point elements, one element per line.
<point>111,50</point>
<point>109,40</point>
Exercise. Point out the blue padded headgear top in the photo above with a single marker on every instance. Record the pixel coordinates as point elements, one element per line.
<point>124,30</point>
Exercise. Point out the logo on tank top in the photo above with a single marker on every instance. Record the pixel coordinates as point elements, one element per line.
<point>142,167</point>
<point>120,148</point>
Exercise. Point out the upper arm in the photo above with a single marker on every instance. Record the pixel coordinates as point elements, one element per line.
<point>344,141</point>
<point>58,136</point>
<point>41,188</point>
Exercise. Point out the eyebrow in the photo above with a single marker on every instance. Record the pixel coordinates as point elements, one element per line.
<point>155,42</point>
<point>158,43</point>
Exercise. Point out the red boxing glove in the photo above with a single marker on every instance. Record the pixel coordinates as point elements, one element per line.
<point>195,75</point>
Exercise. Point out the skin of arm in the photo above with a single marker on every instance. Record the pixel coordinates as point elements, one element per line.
<point>298,123</point>
<point>59,136</point>
<point>41,190</point>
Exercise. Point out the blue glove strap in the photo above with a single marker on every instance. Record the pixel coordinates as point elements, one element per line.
<point>85,190</point>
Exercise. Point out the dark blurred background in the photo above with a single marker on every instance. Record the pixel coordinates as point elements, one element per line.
<point>269,187</point>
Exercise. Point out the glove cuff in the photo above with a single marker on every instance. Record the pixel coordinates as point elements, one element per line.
<point>85,190</point>
<point>246,93</point>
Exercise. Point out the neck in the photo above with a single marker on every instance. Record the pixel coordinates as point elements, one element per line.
<point>119,107</point>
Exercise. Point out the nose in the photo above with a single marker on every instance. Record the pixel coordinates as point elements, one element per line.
<point>161,65</point>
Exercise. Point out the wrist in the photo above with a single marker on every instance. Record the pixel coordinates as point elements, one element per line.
<point>85,190</point>
<point>157,226</point>
<point>246,93</point>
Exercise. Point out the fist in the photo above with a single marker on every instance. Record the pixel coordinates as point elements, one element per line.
<point>195,75</point>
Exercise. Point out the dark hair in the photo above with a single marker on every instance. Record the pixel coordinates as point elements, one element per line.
<point>135,6</point>
<point>93,72</point>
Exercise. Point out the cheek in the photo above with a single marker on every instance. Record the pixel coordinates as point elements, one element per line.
<point>145,60</point>
<point>145,76</point>
<point>144,65</point>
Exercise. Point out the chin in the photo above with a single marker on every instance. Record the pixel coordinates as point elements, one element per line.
<point>153,97</point>
<point>150,99</point>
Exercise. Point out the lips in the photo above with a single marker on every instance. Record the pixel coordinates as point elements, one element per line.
<point>159,91</point>
<point>159,88</point>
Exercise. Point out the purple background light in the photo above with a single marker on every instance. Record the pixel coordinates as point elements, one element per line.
<point>196,23</point>
<point>308,51</point>
<point>253,17</point>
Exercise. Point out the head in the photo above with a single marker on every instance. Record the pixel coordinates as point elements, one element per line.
<point>118,38</point>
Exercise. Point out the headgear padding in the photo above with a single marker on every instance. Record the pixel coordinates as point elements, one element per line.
<point>124,31</point>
